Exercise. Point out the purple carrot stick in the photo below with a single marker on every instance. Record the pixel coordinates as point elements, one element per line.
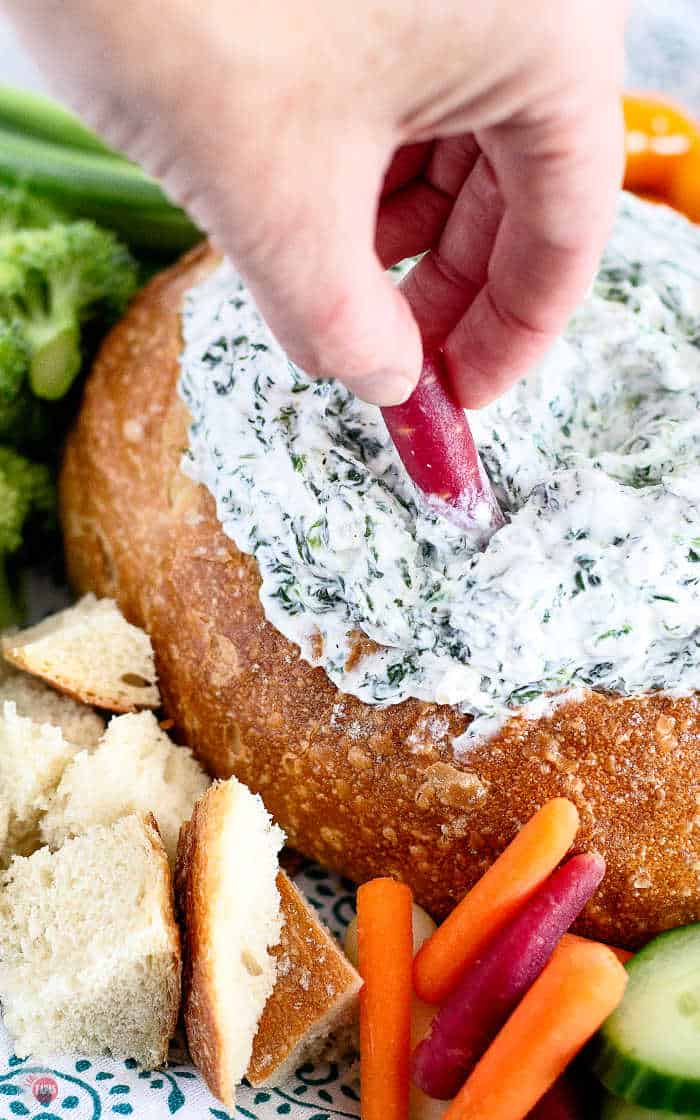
<point>432,436</point>
<point>491,988</point>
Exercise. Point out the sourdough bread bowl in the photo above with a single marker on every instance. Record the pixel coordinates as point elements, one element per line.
<point>394,798</point>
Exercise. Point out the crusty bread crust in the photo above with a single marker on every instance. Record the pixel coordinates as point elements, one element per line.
<point>316,988</point>
<point>167,908</point>
<point>316,992</point>
<point>200,1001</point>
<point>364,790</point>
<point>45,651</point>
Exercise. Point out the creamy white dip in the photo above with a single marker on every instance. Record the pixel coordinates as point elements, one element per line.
<point>595,457</point>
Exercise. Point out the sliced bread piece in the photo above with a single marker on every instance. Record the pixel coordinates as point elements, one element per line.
<point>136,768</point>
<point>41,703</point>
<point>33,757</point>
<point>90,652</point>
<point>89,948</point>
<point>315,994</point>
<point>230,911</point>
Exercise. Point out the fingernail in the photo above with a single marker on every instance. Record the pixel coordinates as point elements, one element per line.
<point>383,388</point>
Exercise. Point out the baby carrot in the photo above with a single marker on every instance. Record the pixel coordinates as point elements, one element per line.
<point>515,876</point>
<point>385,949</point>
<point>623,955</point>
<point>579,988</point>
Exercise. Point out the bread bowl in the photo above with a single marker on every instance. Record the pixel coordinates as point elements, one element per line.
<point>364,789</point>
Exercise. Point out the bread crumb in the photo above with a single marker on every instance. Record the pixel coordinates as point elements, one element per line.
<point>665,733</point>
<point>284,965</point>
<point>132,430</point>
<point>337,713</point>
<point>447,785</point>
<point>358,759</point>
<point>641,881</point>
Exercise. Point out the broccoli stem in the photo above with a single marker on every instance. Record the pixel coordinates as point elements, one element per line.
<point>56,361</point>
<point>11,613</point>
<point>106,188</point>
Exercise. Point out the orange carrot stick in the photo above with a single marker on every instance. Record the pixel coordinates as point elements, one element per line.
<point>507,885</point>
<point>385,950</point>
<point>582,984</point>
<point>623,955</point>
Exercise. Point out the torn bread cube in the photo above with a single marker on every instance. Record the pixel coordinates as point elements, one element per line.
<point>89,948</point>
<point>229,907</point>
<point>255,1005</point>
<point>315,996</point>
<point>90,652</point>
<point>33,757</point>
<point>136,768</point>
<point>42,704</point>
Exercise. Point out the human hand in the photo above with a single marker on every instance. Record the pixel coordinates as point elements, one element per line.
<point>318,143</point>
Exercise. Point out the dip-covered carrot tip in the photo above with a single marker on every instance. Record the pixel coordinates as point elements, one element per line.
<point>433,438</point>
<point>385,950</point>
<point>507,885</point>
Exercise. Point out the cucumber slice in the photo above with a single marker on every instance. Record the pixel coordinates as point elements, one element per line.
<point>616,1109</point>
<point>648,1051</point>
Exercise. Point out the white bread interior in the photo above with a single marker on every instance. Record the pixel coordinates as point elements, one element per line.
<point>41,703</point>
<point>135,768</point>
<point>33,757</point>
<point>89,948</point>
<point>90,652</point>
<point>230,910</point>
<point>259,1000</point>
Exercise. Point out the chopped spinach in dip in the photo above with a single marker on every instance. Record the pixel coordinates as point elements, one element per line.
<point>594,581</point>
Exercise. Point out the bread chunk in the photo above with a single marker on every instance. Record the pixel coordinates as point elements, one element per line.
<point>90,652</point>
<point>315,996</point>
<point>136,768</point>
<point>33,757</point>
<point>42,704</point>
<point>229,905</point>
<point>89,948</point>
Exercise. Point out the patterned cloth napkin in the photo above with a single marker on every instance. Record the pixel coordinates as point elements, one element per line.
<point>77,1088</point>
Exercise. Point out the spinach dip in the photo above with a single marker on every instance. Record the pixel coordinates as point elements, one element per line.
<point>595,458</point>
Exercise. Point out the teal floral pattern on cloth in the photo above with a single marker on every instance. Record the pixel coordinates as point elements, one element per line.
<point>77,1088</point>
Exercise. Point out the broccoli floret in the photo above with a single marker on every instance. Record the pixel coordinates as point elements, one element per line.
<point>26,494</point>
<point>14,362</point>
<point>54,280</point>
<point>25,421</point>
<point>21,210</point>
<point>14,391</point>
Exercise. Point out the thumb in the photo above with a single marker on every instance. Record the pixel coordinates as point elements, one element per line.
<point>308,257</point>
